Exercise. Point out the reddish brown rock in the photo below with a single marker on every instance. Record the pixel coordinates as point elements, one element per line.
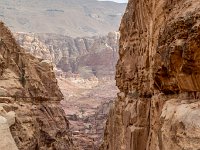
<point>87,56</point>
<point>157,74</point>
<point>28,88</point>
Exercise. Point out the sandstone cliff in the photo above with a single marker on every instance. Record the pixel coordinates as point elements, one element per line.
<point>85,70</point>
<point>30,112</point>
<point>158,76</point>
<point>87,56</point>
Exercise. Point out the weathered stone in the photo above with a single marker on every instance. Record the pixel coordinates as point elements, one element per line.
<point>87,56</point>
<point>6,120</point>
<point>30,111</point>
<point>159,70</point>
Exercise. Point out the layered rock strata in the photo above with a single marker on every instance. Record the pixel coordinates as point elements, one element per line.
<point>158,76</point>
<point>85,70</point>
<point>30,112</point>
<point>86,56</point>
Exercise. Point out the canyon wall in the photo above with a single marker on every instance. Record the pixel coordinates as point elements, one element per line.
<point>30,113</point>
<point>85,68</point>
<point>86,56</point>
<point>158,77</point>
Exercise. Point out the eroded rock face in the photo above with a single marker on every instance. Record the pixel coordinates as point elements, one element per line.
<point>85,70</point>
<point>29,100</point>
<point>87,56</point>
<point>157,74</point>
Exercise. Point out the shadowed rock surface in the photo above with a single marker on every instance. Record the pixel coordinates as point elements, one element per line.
<point>158,77</point>
<point>29,103</point>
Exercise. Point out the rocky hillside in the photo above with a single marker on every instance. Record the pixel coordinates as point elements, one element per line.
<point>86,56</point>
<point>158,77</point>
<point>30,112</point>
<point>76,18</point>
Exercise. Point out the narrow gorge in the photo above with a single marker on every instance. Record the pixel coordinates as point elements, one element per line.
<point>157,73</point>
<point>57,86</point>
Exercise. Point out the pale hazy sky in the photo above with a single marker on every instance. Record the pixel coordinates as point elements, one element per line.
<point>118,1</point>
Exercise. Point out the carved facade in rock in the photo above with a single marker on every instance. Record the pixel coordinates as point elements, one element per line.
<point>158,76</point>
<point>29,91</point>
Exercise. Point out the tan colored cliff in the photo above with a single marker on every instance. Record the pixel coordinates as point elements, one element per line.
<point>30,113</point>
<point>85,69</point>
<point>158,76</point>
<point>87,56</point>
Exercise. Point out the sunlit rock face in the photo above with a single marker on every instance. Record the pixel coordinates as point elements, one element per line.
<point>158,77</point>
<point>30,112</point>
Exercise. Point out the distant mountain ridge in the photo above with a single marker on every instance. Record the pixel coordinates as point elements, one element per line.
<point>74,18</point>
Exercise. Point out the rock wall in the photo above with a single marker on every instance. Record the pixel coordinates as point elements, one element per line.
<point>87,56</point>
<point>30,111</point>
<point>158,77</point>
<point>85,69</point>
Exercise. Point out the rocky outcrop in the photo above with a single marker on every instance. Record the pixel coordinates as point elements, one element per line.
<point>158,77</point>
<point>29,101</point>
<point>87,56</point>
<point>33,45</point>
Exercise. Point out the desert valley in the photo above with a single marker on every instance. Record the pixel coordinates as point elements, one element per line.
<point>99,75</point>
